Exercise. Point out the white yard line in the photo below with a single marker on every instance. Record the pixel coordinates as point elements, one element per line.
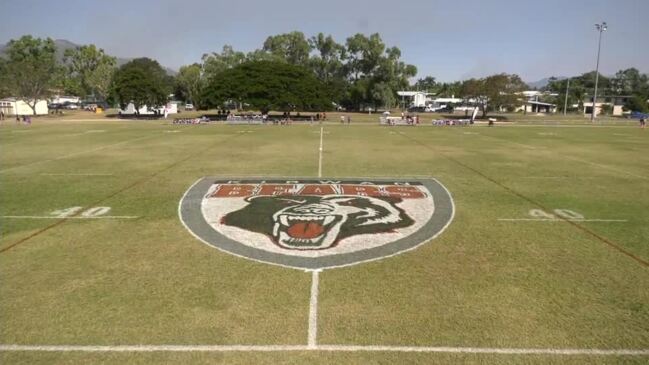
<point>313,310</point>
<point>331,348</point>
<point>559,220</point>
<point>76,153</point>
<point>320,155</point>
<point>79,217</point>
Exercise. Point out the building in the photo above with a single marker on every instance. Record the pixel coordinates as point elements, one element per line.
<point>172,108</point>
<point>615,103</point>
<point>422,99</point>
<point>530,102</point>
<point>62,99</point>
<point>13,106</point>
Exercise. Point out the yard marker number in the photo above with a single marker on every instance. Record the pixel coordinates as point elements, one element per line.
<point>75,213</point>
<point>559,215</point>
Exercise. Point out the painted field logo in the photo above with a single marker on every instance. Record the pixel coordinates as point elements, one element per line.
<point>316,223</point>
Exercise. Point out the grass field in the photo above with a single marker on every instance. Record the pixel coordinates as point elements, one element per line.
<point>497,284</point>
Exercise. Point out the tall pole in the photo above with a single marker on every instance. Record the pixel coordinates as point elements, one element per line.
<point>601,28</point>
<point>565,103</point>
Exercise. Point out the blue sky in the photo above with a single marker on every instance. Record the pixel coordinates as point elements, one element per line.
<point>450,40</point>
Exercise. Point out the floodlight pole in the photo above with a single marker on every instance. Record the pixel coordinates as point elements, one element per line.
<point>565,103</point>
<point>601,28</point>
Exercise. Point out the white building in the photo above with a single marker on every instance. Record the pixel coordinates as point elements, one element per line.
<point>615,103</point>
<point>172,108</point>
<point>13,106</point>
<point>424,99</point>
<point>61,99</point>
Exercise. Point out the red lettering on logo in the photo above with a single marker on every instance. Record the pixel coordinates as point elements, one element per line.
<point>233,191</point>
<point>405,192</point>
<point>361,190</point>
<point>277,189</point>
<point>317,190</point>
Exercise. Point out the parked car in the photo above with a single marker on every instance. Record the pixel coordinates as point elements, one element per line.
<point>70,105</point>
<point>189,106</point>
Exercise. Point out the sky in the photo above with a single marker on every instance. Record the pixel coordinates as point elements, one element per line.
<point>449,40</point>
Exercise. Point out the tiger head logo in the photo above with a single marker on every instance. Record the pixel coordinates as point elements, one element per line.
<point>318,222</point>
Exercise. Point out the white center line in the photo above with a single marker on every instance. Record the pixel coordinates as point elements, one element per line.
<point>331,348</point>
<point>320,156</point>
<point>313,310</point>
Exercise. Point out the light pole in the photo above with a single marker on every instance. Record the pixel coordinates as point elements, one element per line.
<point>565,103</point>
<point>600,28</point>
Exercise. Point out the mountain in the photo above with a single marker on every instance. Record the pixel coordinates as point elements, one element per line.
<point>63,44</point>
<point>543,82</point>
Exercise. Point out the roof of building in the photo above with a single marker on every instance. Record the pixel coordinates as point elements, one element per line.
<point>532,102</point>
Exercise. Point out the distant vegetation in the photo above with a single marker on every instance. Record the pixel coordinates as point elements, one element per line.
<point>361,73</point>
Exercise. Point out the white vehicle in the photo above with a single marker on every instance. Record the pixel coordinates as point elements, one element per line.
<point>189,106</point>
<point>434,108</point>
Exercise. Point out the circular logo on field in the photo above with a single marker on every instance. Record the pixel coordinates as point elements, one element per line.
<point>316,223</point>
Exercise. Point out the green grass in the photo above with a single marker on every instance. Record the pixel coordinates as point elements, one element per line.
<point>482,283</point>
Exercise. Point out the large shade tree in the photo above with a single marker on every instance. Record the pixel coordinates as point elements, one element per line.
<point>268,85</point>
<point>142,82</point>
<point>31,72</point>
<point>90,69</point>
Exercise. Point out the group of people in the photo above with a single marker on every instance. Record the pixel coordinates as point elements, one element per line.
<point>200,120</point>
<point>451,122</point>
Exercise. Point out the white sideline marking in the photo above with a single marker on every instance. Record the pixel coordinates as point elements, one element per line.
<point>559,220</point>
<point>331,348</point>
<point>320,157</point>
<point>313,310</point>
<point>74,174</point>
<point>172,131</point>
<point>76,153</point>
<point>57,217</point>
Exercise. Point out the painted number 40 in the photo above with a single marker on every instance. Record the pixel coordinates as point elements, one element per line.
<point>88,213</point>
<point>563,213</point>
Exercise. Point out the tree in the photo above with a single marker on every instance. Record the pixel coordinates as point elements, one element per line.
<point>327,65</point>
<point>215,63</point>
<point>190,80</point>
<point>31,70</point>
<point>637,104</point>
<point>428,84</point>
<point>368,64</point>
<point>493,92</point>
<point>292,47</point>
<point>141,81</point>
<point>90,69</point>
<point>268,85</point>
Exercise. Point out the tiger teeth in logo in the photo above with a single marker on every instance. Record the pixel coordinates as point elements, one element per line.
<point>316,224</point>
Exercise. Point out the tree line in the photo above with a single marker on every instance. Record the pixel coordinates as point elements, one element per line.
<point>290,71</point>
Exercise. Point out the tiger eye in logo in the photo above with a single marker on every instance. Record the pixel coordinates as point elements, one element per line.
<point>316,223</point>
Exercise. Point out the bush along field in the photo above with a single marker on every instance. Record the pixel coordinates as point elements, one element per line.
<point>324,242</point>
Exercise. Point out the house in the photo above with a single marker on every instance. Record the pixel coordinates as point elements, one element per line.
<point>616,103</point>
<point>14,106</point>
<point>530,102</point>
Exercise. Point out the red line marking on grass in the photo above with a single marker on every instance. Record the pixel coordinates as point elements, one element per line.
<point>603,239</point>
<point>127,187</point>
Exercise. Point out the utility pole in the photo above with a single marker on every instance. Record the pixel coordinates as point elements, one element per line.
<point>600,28</point>
<point>565,103</point>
